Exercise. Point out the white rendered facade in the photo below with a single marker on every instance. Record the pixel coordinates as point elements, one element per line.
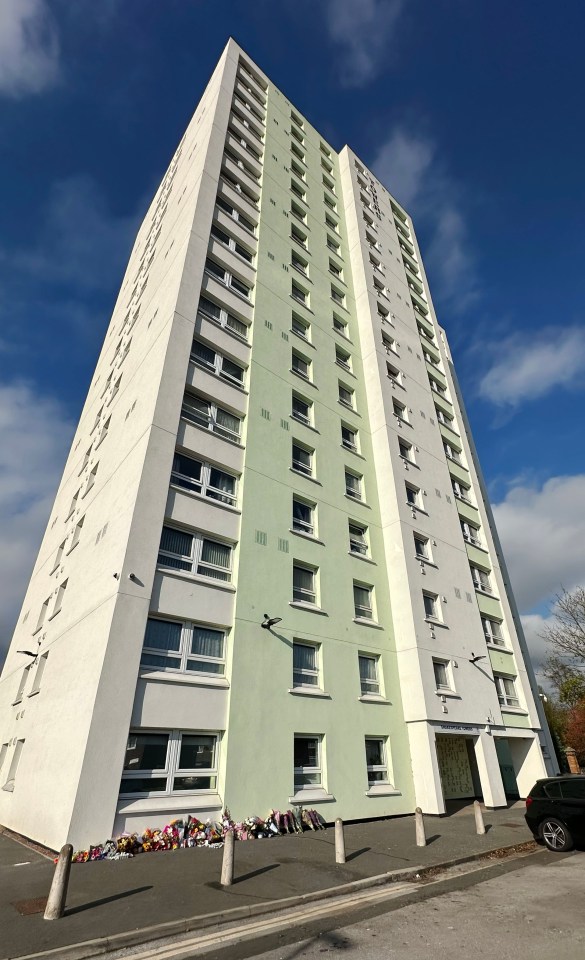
<point>274,304</point>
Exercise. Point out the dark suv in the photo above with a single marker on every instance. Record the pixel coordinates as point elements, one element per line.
<point>555,811</point>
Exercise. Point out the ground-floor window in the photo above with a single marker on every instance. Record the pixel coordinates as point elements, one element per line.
<point>171,762</point>
<point>307,762</point>
<point>376,760</point>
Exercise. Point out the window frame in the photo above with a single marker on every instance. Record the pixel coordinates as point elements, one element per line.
<point>207,489</point>
<point>363,611</point>
<point>370,686</point>
<point>310,672</point>
<point>358,489</point>
<point>223,319</point>
<point>382,768</point>
<point>303,770</point>
<point>306,528</point>
<point>244,290</point>
<point>440,686</point>
<point>299,592</point>
<point>359,545</point>
<point>505,699</point>
<point>495,639</point>
<point>209,421</point>
<point>172,767</point>
<point>184,654</point>
<point>217,367</point>
<point>198,566</point>
<point>432,610</point>
<point>298,465</point>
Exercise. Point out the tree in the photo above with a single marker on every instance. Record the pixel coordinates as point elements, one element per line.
<point>566,634</point>
<point>575,731</point>
<point>565,667</point>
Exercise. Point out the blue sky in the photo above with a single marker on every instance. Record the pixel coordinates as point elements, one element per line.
<point>470,113</point>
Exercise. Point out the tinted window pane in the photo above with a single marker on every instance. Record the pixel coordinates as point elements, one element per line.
<point>194,783</point>
<point>573,789</point>
<point>146,751</point>
<point>143,785</point>
<point>553,790</point>
<point>196,752</point>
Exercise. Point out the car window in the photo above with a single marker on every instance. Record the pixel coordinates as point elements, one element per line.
<point>553,790</point>
<point>573,789</point>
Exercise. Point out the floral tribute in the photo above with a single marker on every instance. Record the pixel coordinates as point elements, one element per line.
<point>191,832</point>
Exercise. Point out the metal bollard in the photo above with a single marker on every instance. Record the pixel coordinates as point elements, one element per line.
<point>479,827</point>
<point>339,841</point>
<point>58,893</point>
<point>227,865</point>
<point>421,838</point>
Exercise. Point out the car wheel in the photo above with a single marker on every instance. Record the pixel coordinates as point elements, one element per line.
<point>555,835</point>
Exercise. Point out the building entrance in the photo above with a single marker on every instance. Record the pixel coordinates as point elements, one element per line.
<point>458,768</point>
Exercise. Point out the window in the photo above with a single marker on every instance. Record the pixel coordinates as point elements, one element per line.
<point>362,601</point>
<point>349,438</point>
<point>296,119</point>
<point>389,343</point>
<point>358,542</point>
<point>235,214</point>
<point>301,296</point>
<point>506,690</point>
<point>331,223</point>
<point>298,212</point>
<point>207,414</point>
<point>297,135</point>
<point>353,485</point>
<point>333,245</point>
<point>73,504</point>
<point>376,762</point>
<point>325,149</point>
<point>301,409</point>
<point>406,451</point>
<point>59,598</point>
<point>216,363</point>
<point>298,236</point>
<point>335,270</point>
<point>307,763</point>
<point>228,279</point>
<point>222,317</point>
<point>444,418</point>
<point>343,359</point>
<point>22,683</point>
<point>58,555</point>
<point>346,395</point>
<point>437,388</point>
<point>393,373</point>
<point>195,553</point>
<point>169,763</point>
<point>413,496</point>
<point>441,671</point>
<point>39,674</point>
<point>337,296</point>
<point>303,517</point>
<point>301,327</point>
<point>302,459</point>
<point>184,647</point>
<point>328,182</point>
<point>301,366</point>
<point>42,615</point>
<point>305,665</point>
<point>461,491</point>
<point>301,265</point>
<point>304,584</point>
<point>9,784</point>
<point>470,533</point>
<point>452,453</point>
<point>369,681</point>
<point>399,410</point>
<point>431,605</point>
<point>481,580</point>
<point>330,202</point>
<point>421,547</point>
<point>340,326</point>
<point>298,170</point>
<point>91,479</point>
<point>493,631</point>
<point>204,479</point>
<point>224,238</point>
<point>297,151</point>
<point>298,190</point>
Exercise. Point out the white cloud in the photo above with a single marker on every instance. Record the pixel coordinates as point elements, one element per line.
<point>527,368</point>
<point>543,537</point>
<point>35,434</point>
<point>29,47</point>
<point>363,29</point>
<point>406,163</point>
<point>533,625</point>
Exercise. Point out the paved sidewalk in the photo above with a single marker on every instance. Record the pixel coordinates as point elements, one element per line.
<point>109,897</point>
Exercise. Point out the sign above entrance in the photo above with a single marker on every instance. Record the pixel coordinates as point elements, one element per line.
<point>458,728</point>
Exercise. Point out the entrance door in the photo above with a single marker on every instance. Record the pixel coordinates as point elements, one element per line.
<point>507,768</point>
<point>454,767</point>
